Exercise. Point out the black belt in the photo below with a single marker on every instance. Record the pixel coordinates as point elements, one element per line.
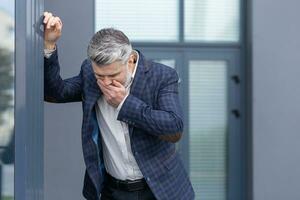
<point>127,185</point>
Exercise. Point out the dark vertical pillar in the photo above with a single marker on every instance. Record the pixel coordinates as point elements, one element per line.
<point>29,182</point>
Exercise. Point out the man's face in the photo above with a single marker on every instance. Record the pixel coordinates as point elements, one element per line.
<point>115,71</point>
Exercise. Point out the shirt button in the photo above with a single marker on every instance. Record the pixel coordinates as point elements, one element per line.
<point>136,153</point>
<point>148,179</point>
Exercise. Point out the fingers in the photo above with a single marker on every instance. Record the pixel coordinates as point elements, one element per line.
<point>47,15</point>
<point>51,21</point>
<point>114,87</point>
<point>56,23</point>
<point>117,84</point>
<point>104,89</point>
<point>108,92</point>
<point>101,84</point>
<point>100,81</point>
<point>112,94</point>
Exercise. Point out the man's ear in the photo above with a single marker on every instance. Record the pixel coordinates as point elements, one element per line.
<point>131,59</point>
<point>131,62</point>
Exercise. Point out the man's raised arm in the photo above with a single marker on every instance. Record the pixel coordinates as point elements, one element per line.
<point>57,90</point>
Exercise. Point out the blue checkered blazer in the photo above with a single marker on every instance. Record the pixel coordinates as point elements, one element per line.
<point>151,110</point>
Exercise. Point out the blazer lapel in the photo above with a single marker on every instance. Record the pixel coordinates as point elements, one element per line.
<point>139,81</point>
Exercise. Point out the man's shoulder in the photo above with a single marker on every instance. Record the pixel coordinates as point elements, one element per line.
<point>162,71</point>
<point>160,68</point>
<point>86,64</point>
<point>86,67</point>
<point>155,67</point>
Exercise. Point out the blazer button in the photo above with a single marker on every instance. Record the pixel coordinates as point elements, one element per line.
<point>148,179</point>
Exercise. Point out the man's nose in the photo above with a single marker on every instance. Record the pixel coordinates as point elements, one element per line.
<point>107,81</point>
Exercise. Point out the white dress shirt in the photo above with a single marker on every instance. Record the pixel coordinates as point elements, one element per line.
<point>118,158</point>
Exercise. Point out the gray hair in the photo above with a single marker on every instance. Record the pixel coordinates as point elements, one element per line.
<point>109,45</point>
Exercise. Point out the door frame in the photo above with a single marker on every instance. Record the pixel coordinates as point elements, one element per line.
<point>236,176</point>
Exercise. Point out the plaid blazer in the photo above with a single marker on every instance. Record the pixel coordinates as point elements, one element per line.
<point>151,109</point>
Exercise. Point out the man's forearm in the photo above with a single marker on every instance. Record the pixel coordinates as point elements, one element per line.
<point>157,122</point>
<point>55,88</point>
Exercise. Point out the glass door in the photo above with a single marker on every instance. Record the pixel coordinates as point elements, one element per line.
<point>213,115</point>
<point>210,94</point>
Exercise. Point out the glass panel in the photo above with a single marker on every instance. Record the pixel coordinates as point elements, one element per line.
<point>212,20</point>
<point>208,128</point>
<point>7,99</point>
<point>153,20</point>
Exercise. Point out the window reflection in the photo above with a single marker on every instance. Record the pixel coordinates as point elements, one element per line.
<point>7,99</point>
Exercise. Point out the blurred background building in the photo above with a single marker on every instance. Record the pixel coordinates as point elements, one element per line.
<point>239,87</point>
<point>7,100</point>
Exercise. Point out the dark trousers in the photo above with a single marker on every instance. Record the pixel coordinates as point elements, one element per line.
<point>111,193</point>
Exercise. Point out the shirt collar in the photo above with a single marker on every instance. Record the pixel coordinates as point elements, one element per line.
<point>136,64</point>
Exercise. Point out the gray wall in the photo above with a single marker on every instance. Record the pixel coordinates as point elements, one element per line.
<point>64,166</point>
<point>276,97</point>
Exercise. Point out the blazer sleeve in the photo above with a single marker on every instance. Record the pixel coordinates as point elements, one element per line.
<point>166,120</point>
<point>57,90</point>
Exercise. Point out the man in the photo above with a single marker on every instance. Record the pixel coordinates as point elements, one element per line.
<point>131,118</point>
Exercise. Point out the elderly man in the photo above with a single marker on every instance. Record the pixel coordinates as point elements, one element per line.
<point>131,118</point>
